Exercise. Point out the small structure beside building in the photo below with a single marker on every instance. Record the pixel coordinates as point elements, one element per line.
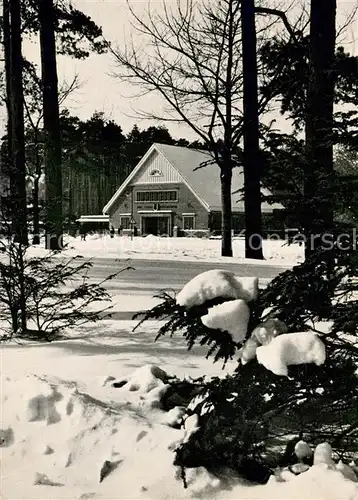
<point>174,191</point>
<point>88,223</point>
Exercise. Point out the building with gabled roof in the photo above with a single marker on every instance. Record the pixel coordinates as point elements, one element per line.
<point>175,188</point>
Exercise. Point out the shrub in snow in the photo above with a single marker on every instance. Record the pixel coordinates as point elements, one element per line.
<point>34,301</point>
<point>232,316</point>
<point>291,349</point>
<point>187,322</point>
<point>217,283</point>
<point>253,409</point>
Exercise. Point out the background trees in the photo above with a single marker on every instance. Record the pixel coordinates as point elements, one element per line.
<point>51,125</point>
<point>76,35</point>
<point>288,159</point>
<point>195,65</point>
<point>15,107</point>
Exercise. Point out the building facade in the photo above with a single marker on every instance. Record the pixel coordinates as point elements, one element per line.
<point>175,191</point>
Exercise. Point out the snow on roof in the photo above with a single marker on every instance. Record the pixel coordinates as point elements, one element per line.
<point>93,218</point>
<point>204,180</point>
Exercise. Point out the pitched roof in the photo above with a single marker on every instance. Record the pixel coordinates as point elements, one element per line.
<point>203,180</point>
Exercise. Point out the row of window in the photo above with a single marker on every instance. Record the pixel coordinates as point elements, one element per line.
<point>156,196</point>
<point>188,222</point>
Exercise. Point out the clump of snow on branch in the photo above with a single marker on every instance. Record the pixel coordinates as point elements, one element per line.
<point>291,349</point>
<point>269,342</point>
<point>263,334</point>
<point>232,316</point>
<point>217,283</point>
<point>323,455</point>
<point>303,450</point>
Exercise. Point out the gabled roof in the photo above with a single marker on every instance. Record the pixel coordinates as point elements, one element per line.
<point>203,181</point>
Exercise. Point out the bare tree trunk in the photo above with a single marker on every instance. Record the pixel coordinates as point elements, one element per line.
<point>319,175</point>
<point>253,222</point>
<point>16,99</point>
<point>7,56</point>
<point>36,212</point>
<point>53,175</point>
<point>35,194</point>
<point>226,239</point>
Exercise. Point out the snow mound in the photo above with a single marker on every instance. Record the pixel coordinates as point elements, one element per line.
<point>145,379</point>
<point>148,382</point>
<point>319,483</point>
<point>61,443</point>
<point>291,349</point>
<point>201,482</point>
<point>217,283</point>
<point>231,316</point>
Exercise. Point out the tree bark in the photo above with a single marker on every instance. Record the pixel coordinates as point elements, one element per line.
<point>251,160</point>
<point>36,212</point>
<point>226,239</point>
<point>17,131</point>
<point>52,150</point>
<point>319,174</point>
<point>7,57</point>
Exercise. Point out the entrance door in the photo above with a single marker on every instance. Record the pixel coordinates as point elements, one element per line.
<point>155,225</point>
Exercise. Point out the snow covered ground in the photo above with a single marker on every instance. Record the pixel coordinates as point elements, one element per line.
<point>276,252</point>
<point>67,433</point>
<point>64,427</point>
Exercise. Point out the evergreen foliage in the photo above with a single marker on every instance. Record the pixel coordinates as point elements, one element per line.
<point>187,321</point>
<point>247,418</point>
<point>40,297</point>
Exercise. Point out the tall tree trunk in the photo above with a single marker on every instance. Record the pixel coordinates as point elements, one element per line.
<point>251,160</point>
<point>35,194</point>
<point>36,212</point>
<point>16,99</point>
<point>7,56</point>
<point>226,166</point>
<point>53,174</point>
<point>226,215</point>
<point>319,174</point>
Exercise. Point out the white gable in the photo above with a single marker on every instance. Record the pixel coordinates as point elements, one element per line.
<point>156,170</point>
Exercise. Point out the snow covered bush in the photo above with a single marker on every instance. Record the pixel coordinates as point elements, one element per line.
<point>292,378</point>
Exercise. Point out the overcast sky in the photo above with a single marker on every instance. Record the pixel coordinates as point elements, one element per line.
<point>101,92</point>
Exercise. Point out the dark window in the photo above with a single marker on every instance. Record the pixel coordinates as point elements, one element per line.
<point>188,222</point>
<point>156,196</point>
<point>156,173</point>
<point>125,222</point>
